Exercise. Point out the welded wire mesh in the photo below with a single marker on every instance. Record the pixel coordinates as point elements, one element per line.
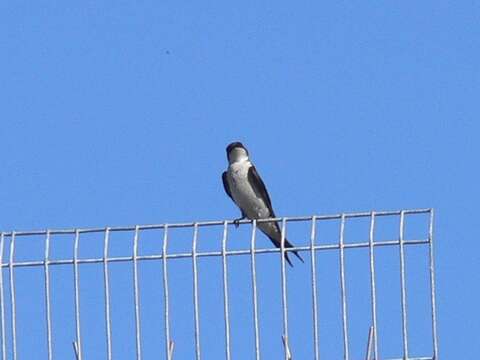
<point>208,290</point>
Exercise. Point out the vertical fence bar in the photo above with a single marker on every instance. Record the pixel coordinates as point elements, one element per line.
<point>403,287</point>
<point>136,294</point>
<point>343,291</point>
<point>76,284</point>
<point>225,291</point>
<point>373,288</point>
<point>254,288</point>
<point>165,292</point>
<point>432,286</point>
<point>12,298</point>
<point>106,279</point>
<point>314,287</point>
<point>284,291</point>
<point>47,295</point>
<point>2,300</point>
<point>195,292</point>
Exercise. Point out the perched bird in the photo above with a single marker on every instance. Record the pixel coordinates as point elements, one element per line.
<point>247,190</point>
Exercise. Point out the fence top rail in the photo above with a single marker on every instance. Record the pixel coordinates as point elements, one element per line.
<point>213,223</point>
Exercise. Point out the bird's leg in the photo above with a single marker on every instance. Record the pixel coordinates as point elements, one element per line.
<point>236,222</point>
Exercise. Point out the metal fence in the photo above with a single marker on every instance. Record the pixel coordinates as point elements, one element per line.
<point>206,290</point>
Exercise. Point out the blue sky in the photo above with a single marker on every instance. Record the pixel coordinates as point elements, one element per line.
<point>118,113</point>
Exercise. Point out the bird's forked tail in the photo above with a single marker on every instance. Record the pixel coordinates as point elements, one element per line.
<point>288,245</point>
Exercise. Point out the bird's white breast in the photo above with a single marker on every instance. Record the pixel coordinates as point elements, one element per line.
<point>242,192</point>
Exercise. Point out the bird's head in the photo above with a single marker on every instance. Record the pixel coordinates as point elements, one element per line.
<point>236,152</point>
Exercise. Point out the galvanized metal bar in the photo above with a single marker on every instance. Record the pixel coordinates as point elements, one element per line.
<point>138,341</point>
<point>76,286</point>
<point>106,279</point>
<point>2,301</point>
<point>216,223</point>
<point>13,306</point>
<point>373,289</point>
<point>195,293</point>
<point>403,287</point>
<point>47,296</point>
<point>346,354</point>
<point>314,287</point>
<point>284,292</point>
<point>166,294</point>
<point>254,290</point>
<point>226,303</point>
<point>432,286</point>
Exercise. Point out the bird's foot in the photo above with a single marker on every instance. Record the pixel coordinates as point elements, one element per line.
<point>236,222</point>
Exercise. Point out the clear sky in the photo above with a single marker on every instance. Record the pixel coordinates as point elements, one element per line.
<point>116,113</point>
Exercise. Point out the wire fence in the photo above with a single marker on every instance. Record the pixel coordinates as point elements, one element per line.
<point>206,290</point>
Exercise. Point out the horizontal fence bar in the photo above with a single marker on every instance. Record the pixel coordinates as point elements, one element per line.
<point>215,223</point>
<point>212,253</point>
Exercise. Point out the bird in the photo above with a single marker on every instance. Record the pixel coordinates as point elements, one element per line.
<point>246,188</point>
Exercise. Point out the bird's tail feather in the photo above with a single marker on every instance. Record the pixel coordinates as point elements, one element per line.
<point>288,244</point>
<point>295,252</point>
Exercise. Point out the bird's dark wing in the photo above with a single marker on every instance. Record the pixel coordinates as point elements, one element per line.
<point>259,188</point>
<point>225,185</point>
